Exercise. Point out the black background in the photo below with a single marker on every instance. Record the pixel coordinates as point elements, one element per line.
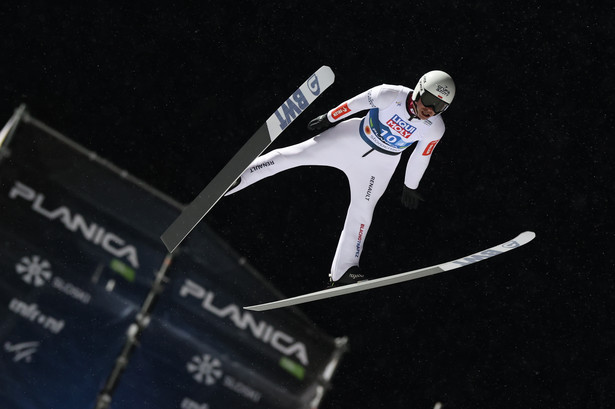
<point>171,92</point>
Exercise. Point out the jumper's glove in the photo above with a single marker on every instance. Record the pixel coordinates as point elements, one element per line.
<point>411,198</point>
<point>319,123</point>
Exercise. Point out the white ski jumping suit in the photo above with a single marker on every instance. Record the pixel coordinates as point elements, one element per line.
<point>367,150</point>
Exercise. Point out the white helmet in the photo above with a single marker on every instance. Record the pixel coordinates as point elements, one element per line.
<point>436,90</point>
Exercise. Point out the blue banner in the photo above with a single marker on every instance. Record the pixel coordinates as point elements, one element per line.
<point>79,250</point>
<point>55,350</point>
<point>175,370</point>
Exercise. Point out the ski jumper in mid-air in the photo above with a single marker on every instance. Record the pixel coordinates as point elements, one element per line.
<point>367,150</point>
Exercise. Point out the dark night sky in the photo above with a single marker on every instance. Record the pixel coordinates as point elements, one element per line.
<point>170,93</point>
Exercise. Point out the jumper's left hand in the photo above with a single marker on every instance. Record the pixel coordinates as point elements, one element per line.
<point>411,198</point>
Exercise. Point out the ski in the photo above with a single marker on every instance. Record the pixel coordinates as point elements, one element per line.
<point>267,133</point>
<point>518,241</point>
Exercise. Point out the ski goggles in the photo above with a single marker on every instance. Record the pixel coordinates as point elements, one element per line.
<point>431,101</point>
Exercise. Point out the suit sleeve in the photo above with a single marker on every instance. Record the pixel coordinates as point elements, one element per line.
<point>419,160</point>
<point>377,97</point>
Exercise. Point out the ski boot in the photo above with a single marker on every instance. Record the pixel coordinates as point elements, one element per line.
<point>351,276</point>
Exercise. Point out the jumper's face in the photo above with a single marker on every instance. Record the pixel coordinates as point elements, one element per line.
<point>422,111</point>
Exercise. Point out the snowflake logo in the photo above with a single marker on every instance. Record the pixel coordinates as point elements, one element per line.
<point>34,270</point>
<point>205,369</point>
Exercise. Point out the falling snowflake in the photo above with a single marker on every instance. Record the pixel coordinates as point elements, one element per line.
<point>205,369</point>
<point>34,270</point>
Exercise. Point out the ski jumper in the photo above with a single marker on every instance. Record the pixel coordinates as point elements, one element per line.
<point>367,150</point>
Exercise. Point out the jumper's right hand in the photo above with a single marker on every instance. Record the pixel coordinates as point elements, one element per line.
<point>319,123</point>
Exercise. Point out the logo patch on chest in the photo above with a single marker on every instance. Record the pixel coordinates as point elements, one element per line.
<point>401,126</point>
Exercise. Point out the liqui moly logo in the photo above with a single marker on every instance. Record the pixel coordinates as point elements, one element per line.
<point>76,223</point>
<point>401,126</point>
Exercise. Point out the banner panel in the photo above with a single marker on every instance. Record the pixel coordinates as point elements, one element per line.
<point>79,249</point>
<point>173,370</point>
<point>56,351</point>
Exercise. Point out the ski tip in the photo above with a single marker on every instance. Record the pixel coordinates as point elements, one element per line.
<point>524,238</point>
<point>326,69</point>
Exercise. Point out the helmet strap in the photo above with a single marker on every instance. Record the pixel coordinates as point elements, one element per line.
<point>411,106</point>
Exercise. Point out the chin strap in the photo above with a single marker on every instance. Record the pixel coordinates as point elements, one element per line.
<point>411,108</point>
<point>412,114</point>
